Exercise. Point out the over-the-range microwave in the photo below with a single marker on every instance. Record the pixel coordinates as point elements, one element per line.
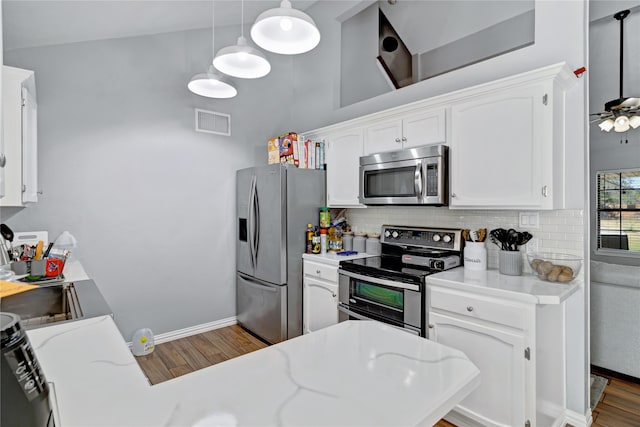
<point>414,176</point>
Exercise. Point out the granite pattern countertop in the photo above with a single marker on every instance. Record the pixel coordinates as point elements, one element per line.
<point>526,288</point>
<point>355,373</point>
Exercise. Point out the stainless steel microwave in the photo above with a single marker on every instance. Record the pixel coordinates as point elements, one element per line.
<point>415,176</point>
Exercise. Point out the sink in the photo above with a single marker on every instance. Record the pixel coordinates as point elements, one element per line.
<point>54,303</point>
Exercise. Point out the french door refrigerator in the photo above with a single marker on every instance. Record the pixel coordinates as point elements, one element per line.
<point>274,204</point>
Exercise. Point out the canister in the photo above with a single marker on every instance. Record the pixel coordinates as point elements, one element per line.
<point>475,256</point>
<point>359,243</point>
<point>373,246</point>
<point>325,217</point>
<point>25,391</point>
<point>347,241</point>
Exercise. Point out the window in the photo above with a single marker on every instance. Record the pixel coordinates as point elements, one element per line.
<point>619,210</point>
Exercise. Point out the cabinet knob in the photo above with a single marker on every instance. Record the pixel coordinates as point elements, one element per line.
<point>404,138</point>
<point>318,272</point>
<point>453,195</point>
<point>430,326</point>
<point>3,160</point>
<point>469,308</point>
<point>397,139</point>
<point>334,295</point>
<point>545,192</point>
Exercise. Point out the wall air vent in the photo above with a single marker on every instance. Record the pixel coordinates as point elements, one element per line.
<point>212,122</point>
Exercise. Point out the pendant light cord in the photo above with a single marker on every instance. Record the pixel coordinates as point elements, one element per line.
<point>242,18</point>
<point>213,29</point>
<point>620,17</point>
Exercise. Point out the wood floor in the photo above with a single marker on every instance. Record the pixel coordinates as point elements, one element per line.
<point>185,355</point>
<point>618,407</point>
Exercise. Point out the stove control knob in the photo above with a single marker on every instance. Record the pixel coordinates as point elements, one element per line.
<point>446,238</point>
<point>387,233</point>
<point>394,234</point>
<point>436,238</point>
<point>436,264</point>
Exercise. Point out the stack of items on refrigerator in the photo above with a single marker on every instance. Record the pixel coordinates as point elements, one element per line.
<point>292,148</point>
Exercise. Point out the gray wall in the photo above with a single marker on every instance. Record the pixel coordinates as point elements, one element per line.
<point>607,153</point>
<point>151,201</point>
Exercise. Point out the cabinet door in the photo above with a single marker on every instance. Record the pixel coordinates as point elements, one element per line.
<point>501,150</point>
<point>385,136</point>
<point>499,400</point>
<point>425,127</point>
<point>320,304</point>
<point>343,151</point>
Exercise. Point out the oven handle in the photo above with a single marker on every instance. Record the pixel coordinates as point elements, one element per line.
<point>358,316</point>
<point>352,313</point>
<point>384,282</point>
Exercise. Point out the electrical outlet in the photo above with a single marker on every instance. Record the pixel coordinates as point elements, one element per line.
<point>529,220</point>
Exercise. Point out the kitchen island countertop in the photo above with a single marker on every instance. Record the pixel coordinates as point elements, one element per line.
<point>526,288</point>
<point>354,373</point>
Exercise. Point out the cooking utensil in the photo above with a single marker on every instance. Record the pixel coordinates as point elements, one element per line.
<point>512,240</point>
<point>7,234</point>
<point>482,234</point>
<point>524,237</point>
<point>499,237</point>
<point>38,253</point>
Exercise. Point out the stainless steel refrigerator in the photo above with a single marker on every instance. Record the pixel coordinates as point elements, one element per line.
<point>274,204</point>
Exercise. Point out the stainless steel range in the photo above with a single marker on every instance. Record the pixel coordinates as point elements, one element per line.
<point>391,288</point>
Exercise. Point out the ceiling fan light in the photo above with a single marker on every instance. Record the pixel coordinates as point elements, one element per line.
<point>285,30</point>
<point>634,121</point>
<point>212,85</point>
<point>242,61</point>
<point>606,125</point>
<point>621,124</point>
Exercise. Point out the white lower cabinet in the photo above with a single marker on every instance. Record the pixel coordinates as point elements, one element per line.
<point>499,355</point>
<point>320,296</point>
<point>518,348</point>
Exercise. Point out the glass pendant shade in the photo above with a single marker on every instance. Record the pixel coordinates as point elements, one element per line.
<point>212,85</point>
<point>621,124</point>
<point>285,30</point>
<point>607,125</point>
<point>242,61</point>
<point>634,121</point>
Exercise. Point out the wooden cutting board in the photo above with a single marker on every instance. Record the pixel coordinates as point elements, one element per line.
<point>11,288</point>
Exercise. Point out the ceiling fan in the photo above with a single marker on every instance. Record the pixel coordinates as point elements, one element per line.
<point>623,113</point>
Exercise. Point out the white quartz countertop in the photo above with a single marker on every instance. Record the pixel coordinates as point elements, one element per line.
<point>526,288</point>
<point>355,373</point>
<point>332,259</point>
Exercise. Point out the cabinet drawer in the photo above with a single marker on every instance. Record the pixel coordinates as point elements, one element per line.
<point>478,307</point>
<point>321,271</point>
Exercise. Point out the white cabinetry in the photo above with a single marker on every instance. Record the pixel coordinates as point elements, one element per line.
<point>410,130</point>
<point>19,137</point>
<point>507,147</point>
<point>343,150</point>
<point>320,296</point>
<point>518,348</point>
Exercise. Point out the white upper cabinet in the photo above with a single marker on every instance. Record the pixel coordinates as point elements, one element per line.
<point>19,116</point>
<point>501,150</point>
<point>343,150</point>
<point>410,130</point>
<point>507,146</point>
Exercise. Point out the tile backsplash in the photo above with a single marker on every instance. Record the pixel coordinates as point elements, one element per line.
<point>558,231</point>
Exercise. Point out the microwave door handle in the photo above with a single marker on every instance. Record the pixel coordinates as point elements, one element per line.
<point>417,180</point>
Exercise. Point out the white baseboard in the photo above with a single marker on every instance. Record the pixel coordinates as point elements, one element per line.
<point>578,420</point>
<point>192,330</point>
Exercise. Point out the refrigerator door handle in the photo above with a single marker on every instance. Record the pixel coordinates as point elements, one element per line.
<point>252,222</point>
<point>256,239</point>
<point>253,283</point>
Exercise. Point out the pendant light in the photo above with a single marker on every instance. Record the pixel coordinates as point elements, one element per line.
<point>623,113</point>
<point>212,84</point>
<point>242,60</point>
<point>285,30</point>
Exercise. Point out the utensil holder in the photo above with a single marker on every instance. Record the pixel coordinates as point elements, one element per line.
<point>475,256</point>
<point>510,263</point>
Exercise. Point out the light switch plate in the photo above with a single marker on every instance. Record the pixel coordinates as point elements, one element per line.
<point>529,220</point>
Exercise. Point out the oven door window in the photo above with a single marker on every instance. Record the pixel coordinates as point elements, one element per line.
<point>389,298</point>
<point>391,182</point>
